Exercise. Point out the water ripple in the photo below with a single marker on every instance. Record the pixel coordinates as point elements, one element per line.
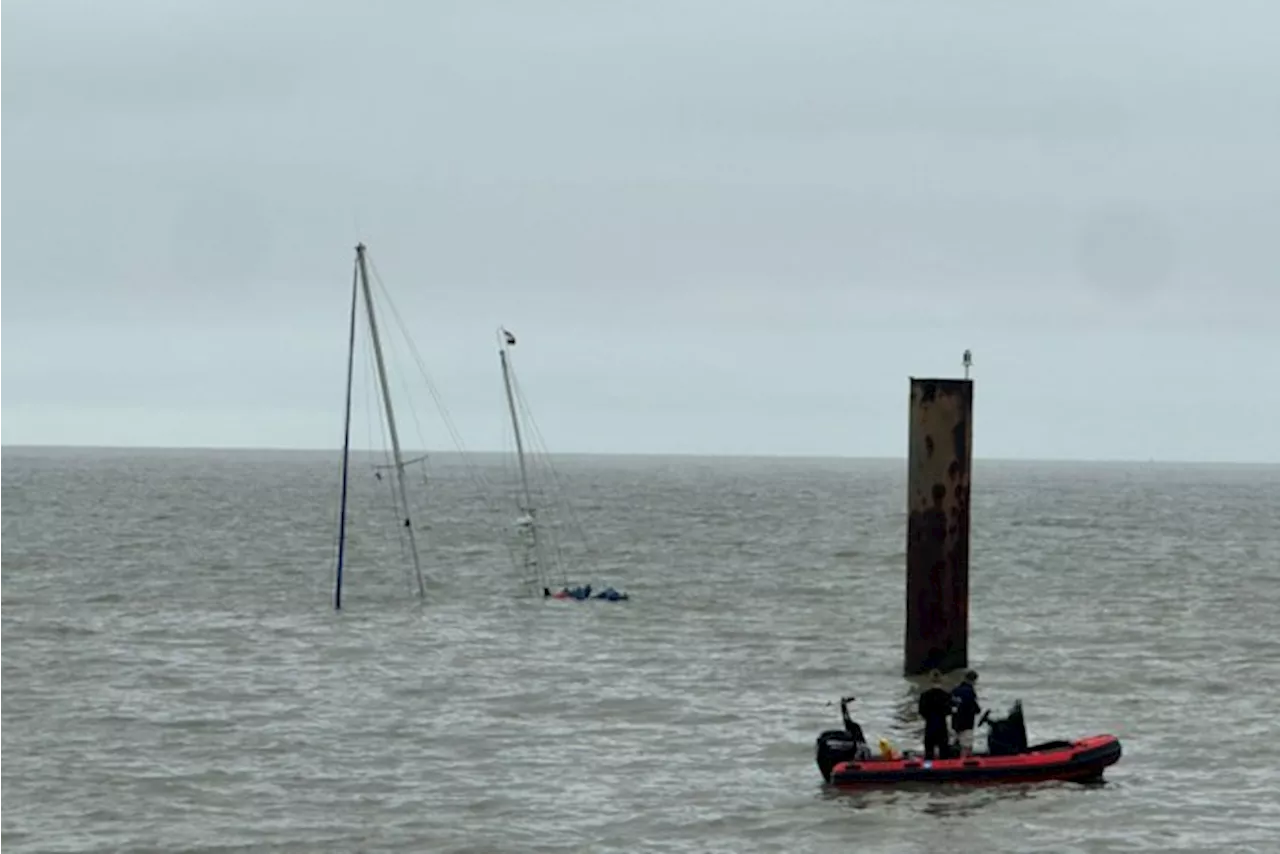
<point>176,681</point>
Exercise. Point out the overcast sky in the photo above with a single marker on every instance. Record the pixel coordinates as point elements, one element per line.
<point>716,227</point>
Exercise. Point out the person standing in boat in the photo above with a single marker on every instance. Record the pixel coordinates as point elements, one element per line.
<point>935,707</point>
<point>965,710</point>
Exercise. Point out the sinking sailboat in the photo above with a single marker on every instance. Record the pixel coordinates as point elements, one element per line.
<point>360,287</point>
<point>542,561</point>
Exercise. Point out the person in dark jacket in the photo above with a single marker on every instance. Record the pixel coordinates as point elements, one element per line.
<point>935,707</point>
<point>965,711</point>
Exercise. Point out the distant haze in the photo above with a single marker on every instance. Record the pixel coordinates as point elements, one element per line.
<point>715,227</point>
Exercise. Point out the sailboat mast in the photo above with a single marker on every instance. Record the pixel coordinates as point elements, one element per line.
<point>397,457</point>
<point>515,426</point>
<point>346,446</point>
<point>529,524</point>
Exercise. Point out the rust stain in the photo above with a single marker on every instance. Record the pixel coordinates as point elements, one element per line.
<point>939,460</point>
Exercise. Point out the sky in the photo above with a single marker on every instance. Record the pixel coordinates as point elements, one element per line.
<point>715,226</point>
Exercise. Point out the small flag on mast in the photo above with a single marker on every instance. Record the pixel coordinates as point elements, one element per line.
<point>511,339</point>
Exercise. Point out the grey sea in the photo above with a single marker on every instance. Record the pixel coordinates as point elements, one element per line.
<point>175,678</point>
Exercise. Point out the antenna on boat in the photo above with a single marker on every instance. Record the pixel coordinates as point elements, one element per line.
<point>968,362</point>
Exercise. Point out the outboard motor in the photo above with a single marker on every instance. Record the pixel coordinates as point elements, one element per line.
<point>841,745</point>
<point>833,747</point>
<point>1008,737</point>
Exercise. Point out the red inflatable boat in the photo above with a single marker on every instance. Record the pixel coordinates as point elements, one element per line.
<point>846,764</point>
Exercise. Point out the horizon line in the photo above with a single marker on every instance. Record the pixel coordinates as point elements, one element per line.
<point>679,454</point>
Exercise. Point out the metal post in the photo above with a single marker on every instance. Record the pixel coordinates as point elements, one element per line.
<point>939,458</point>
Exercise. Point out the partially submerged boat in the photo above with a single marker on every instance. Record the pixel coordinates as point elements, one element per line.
<point>542,561</point>
<point>360,284</point>
<point>846,762</point>
<point>582,594</point>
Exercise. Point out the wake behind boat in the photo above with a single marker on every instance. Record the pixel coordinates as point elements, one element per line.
<point>845,760</point>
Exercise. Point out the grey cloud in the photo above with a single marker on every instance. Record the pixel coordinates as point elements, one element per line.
<point>711,222</point>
